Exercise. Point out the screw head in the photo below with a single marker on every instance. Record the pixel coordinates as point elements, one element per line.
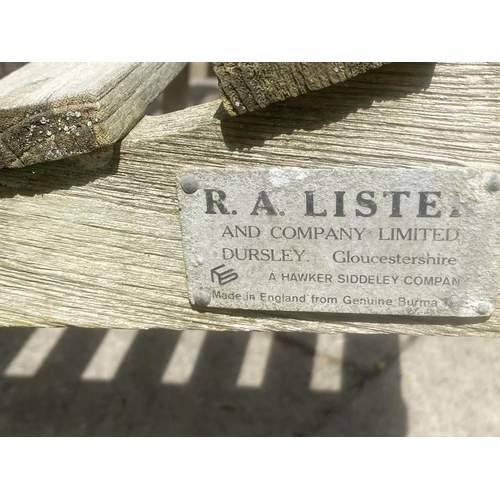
<point>189,184</point>
<point>493,183</point>
<point>483,308</point>
<point>202,298</point>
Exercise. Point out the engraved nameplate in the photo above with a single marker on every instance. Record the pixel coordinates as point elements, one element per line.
<point>342,240</point>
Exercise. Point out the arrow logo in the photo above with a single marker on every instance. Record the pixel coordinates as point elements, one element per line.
<point>224,277</point>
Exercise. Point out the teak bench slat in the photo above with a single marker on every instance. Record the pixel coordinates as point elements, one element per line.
<point>50,111</point>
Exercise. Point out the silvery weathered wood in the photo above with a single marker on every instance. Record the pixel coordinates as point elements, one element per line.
<point>249,86</point>
<point>102,247</point>
<point>50,111</point>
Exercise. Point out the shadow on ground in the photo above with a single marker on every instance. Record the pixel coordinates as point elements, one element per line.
<point>57,402</point>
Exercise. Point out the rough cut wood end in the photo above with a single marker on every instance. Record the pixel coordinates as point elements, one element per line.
<point>50,111</point>
<point>247,86</point>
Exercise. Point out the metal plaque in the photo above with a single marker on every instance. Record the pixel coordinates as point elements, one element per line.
<point>342,240</point>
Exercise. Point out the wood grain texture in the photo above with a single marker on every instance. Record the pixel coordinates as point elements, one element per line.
<point>50,111</point>
<point>96,242</point>
<point>248,86</point>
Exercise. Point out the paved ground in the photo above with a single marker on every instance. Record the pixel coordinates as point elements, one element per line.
<point>77,382</point>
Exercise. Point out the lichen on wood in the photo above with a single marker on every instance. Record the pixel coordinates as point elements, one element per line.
<point>50,111</point>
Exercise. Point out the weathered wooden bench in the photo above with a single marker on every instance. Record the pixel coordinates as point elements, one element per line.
<point>89,195</point>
